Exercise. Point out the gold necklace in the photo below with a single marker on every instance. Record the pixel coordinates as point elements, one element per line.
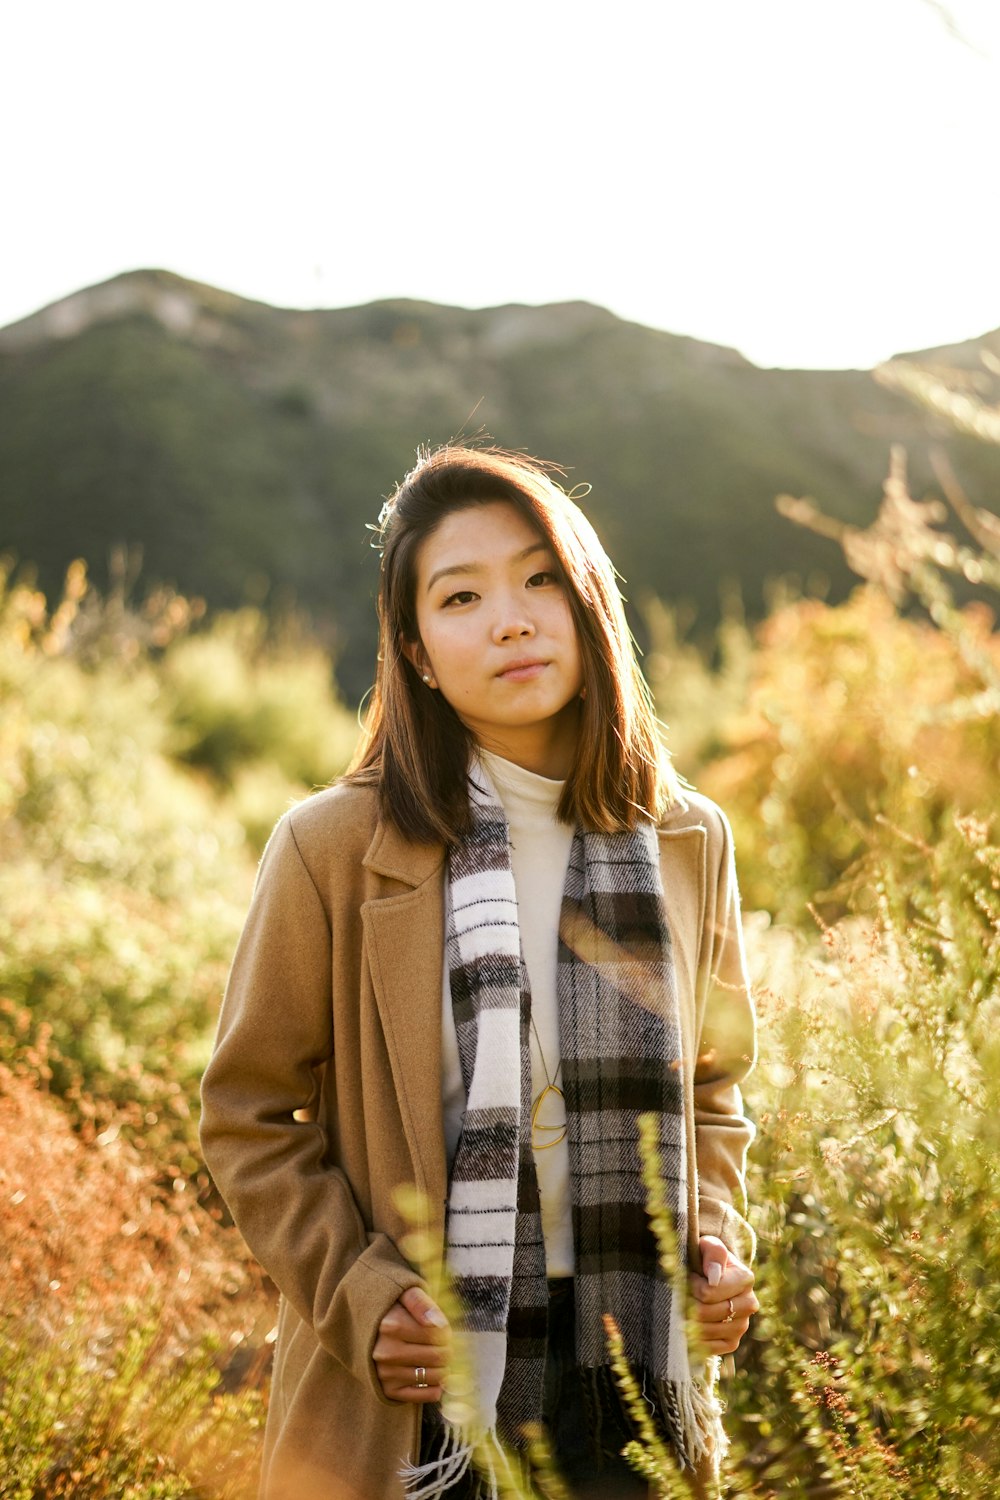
<point>559,1131</point>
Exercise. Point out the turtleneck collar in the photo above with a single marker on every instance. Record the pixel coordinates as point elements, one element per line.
<point>519,789</point>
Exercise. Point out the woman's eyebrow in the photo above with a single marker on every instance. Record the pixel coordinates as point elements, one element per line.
<point>474,567</point>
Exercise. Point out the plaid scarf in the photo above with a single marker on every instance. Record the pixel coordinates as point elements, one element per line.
<point>621,1045</point>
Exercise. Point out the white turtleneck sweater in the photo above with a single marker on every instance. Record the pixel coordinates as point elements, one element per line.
<point>540,848</point>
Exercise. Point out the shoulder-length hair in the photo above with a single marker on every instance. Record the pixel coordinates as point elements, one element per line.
<point>414,746</point>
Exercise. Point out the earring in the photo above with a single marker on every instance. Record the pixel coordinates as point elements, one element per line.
<point>426,677</point>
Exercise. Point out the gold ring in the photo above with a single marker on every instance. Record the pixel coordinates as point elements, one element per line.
<point>420,1377</point>
<point>729,1315</point>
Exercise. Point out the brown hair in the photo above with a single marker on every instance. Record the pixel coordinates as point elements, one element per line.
<point>416,749</point>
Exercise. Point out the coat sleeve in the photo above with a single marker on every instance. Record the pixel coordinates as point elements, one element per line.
<point>292,1204</point>
<point>725,1054</point>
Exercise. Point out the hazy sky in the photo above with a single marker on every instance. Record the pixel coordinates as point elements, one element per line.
<point>812,181</point>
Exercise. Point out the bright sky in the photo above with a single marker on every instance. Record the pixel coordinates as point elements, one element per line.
<point>812,181</point>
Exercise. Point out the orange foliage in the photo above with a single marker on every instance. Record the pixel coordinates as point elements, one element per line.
<point>89,1223</point>
<point>854,713</point>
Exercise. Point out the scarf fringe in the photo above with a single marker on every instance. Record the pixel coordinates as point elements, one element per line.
<point>431,1480</point>
<point>688,1412</point>
<point>692,1414</point>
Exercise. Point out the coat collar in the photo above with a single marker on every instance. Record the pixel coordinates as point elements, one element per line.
<point>391,853</point>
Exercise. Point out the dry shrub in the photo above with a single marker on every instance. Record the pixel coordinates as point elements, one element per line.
<point>133,1335</point>
<point>130,1316</point>
<point>86,1218</point>
<point>850,716</point>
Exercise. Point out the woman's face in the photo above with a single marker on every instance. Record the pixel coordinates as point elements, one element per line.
<point>496,635</point>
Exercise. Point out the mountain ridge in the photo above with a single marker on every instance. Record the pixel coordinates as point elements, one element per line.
<point>171,296</point>
<point>243,447</point>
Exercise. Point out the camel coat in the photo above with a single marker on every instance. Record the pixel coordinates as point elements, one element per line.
<point>323,1095</point>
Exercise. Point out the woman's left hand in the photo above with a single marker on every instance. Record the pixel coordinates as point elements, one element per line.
<point>724,1297</point>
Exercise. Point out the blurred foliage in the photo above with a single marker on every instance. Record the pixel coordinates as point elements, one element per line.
<point>850,716</point>
<point>243,697</point>
<point>861,767</point>
<point>96,1413</point>
<point>875,1359</point>
<point>122,885</point>
<point>134,1334</point>
<point>697,697</point>
<point>125,877</point>
<point>825,721</point>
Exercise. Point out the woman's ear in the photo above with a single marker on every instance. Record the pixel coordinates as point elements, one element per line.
<point>417,657</point>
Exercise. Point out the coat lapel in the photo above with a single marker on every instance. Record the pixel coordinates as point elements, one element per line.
<point>404,930</point>
<point>682,866</point>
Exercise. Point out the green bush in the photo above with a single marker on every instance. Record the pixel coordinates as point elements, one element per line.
<point>124,881</point>
<point>92,1413</point>
<point>876,1181</point>
<point>850,717</point>
<point>126,876</point>
<point>862,773</point>
<point>240,694</point>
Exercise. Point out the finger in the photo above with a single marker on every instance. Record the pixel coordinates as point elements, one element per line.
<point>406,1380</point>
<point>391,1350</point>
<point>723,1338</point>
<point>733,1267</point>
<point>714,1258</point>
<point>735,1280</point>
<point>744,1304</point>
<point>399,1323</point>
<point>423,1307</point>
<point>711,1314</point>
<point>397,1390</point>
<point>408,1377</point>
<point>728,1345</point>
<point>421,1397</point>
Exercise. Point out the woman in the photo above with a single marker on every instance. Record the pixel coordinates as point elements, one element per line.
<point>470,966</point>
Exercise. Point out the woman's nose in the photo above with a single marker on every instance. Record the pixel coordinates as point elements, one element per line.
<point>512,622</point>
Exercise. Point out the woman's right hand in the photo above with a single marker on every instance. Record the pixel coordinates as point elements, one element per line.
<point>413,1336</point>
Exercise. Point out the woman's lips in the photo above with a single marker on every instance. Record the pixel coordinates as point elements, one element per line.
<point>522,671</point>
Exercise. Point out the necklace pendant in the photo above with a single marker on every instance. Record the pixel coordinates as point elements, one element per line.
<point>544,1137</point>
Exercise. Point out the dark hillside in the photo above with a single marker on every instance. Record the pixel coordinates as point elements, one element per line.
<point>243,447</point>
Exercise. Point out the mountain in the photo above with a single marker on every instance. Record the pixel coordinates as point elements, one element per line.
<point>244,447</point>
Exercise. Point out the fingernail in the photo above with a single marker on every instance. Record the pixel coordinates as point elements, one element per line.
<point>714,1274</point>
<point>435,1317</point>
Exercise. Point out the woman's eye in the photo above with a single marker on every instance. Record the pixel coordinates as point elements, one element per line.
<point>538,580</point>
<point>461,597</point>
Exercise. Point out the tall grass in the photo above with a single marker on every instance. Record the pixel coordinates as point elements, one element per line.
<point>877,1184</point>
<point>101,1413</point>
<point>873,1367</point>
